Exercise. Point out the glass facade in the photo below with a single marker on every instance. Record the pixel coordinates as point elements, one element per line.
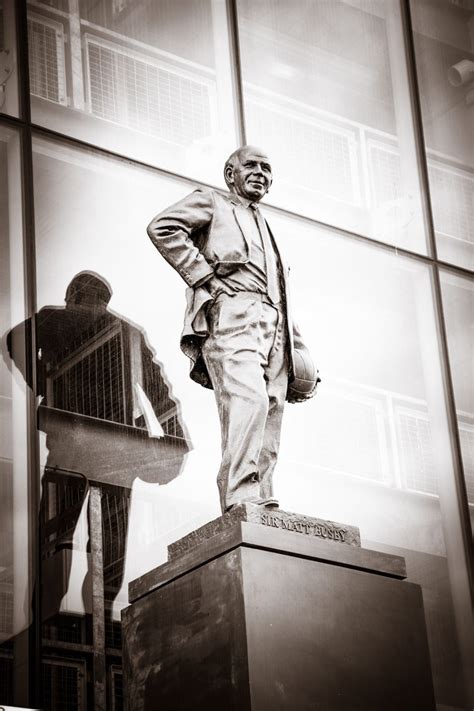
<point>458,302</point>
<point>16,550</point>
<point>147,79</point>
<point>131,104</point>
<point>444,50</point>
<point>325,88</point>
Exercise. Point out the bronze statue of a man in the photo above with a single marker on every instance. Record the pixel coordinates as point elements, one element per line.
<point>238,328</point>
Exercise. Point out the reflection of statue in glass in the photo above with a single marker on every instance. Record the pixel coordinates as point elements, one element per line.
<point>108,417</point>
<point>238,327</point>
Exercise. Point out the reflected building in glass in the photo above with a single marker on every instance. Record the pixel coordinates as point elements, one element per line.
<point>108,451</point>
<point>108,418</point>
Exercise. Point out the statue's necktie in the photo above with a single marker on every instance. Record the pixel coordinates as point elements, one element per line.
<point>273,289</point>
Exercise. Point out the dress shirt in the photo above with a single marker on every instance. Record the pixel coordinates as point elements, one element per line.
<point>263,261</point>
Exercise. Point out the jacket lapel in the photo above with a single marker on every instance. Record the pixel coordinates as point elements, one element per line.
<point>284,266</point>
<point>244,218</point>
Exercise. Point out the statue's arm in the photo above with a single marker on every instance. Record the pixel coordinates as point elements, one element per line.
<point>298,343</point>
<point>172,232</point>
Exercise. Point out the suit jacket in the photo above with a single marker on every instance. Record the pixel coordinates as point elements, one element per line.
<point>203,234</point>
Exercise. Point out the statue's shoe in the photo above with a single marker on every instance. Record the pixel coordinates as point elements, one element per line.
<point>270,502</point>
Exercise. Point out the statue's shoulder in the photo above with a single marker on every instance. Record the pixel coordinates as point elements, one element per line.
<point>218,198</point>
<point>224,198</point>
<point>201,192</point>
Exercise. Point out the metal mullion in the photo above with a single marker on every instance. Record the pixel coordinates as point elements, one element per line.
<point>453,421</point>
<point>34,632</point>
<point>438,300</point>
<point>455,269</point>
<point>23,61</point>
<point>14,121</point>
<point>462,505</point>
<point>234,43</point>
<point>460,484</point>
<point>418,125</point>
<point>355,236</point>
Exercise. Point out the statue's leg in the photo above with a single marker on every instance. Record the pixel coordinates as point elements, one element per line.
<point>236,354</point>
<point>276,377</point>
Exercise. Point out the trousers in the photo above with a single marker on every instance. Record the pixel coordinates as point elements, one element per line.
<point>246,356</point>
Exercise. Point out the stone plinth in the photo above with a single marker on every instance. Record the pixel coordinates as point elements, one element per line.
<point>258,617</point>
<point>275,518</point>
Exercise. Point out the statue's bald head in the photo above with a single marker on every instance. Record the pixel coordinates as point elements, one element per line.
<point>248,172</point>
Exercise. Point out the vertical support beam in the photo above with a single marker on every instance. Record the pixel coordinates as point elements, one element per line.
<point>461,570</point>
<point>449,390</point>
<point>23,568</point>
<point>444,452</point>
<point>236,70</point>
<point>34,691</point>
<point>228,129</point>
<point>457,518</point>
<point>98,607</point>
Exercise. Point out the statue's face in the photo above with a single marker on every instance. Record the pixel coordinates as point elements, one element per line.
<point>251,175</point>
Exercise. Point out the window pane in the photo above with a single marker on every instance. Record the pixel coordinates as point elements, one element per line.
<point>8,59</point>
<point>15,557</point>
<point>326,93</point>
<point>444,49</point>
<point>149,79</point>
<point>458,304</point>
<point>372,449</point>
<point>112,427</point>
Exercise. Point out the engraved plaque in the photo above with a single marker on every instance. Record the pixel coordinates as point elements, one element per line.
<point>338,533</point>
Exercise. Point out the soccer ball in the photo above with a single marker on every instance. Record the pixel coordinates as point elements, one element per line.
<point>306,375</point>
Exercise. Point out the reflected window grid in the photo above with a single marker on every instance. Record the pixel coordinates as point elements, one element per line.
<point>119,67</point>
<point>46,59</point>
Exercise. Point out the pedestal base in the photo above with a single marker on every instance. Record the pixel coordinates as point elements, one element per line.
<point>259,619</point>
